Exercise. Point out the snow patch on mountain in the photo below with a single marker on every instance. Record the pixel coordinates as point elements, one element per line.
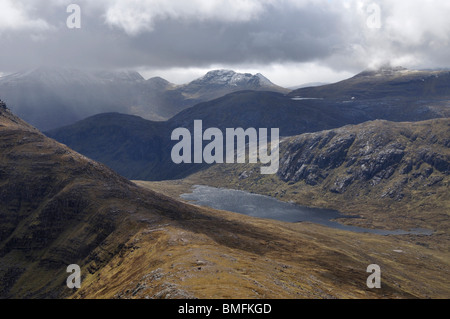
<point>232,78</point>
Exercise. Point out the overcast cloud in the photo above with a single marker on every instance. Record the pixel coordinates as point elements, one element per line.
<point>290,41</point>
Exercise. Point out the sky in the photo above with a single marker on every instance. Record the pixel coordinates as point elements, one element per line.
<point>289,41</point>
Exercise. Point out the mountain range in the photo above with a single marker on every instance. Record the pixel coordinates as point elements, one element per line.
<point>60,208</point>
<point>140,149</point>
<point>375,147</point>
<point>50,97</point>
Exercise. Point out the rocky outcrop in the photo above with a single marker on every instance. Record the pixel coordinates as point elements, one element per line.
<point>370,154</point>
<point>310,157</point>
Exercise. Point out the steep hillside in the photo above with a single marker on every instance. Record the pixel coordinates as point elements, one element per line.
<point>128,144</point>
<point>59,208</point>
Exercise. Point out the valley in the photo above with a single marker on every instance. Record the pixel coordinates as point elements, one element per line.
<point>398,193</point>
<point>135,243</point>
<point>383,161</point>
<point>217,158</point>
<point>392,174</point>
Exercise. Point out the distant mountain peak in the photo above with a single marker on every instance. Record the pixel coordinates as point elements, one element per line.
<point>126,75</point>
<point>384,70</point>
<point>219,72</point>
<point>232,78</point>
<point>263,80</point>
<point>159,81</point>
<point>221,77</point>
<point>49,97</point>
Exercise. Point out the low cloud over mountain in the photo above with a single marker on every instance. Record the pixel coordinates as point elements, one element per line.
<point>50,97</point>
<point>308,35</point>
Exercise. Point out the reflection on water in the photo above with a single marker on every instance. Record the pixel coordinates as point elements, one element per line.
<point>268,207</point>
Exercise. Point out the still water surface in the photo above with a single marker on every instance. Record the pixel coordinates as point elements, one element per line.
<point>268,207</point>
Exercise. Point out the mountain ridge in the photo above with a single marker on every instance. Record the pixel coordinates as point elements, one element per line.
<point>59,208</point>
<point>245,109</point>
<point>49,97</point>
<point>386,82</point>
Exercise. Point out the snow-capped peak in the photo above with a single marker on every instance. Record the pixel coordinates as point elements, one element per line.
<point>232,78</point>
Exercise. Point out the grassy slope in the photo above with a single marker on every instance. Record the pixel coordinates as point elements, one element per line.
<point>300,260</point>
<point>422,205</point>
<point>59,207</point>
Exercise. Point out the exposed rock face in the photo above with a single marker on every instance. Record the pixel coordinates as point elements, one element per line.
<point>369,154</point>
<point>308,158</point>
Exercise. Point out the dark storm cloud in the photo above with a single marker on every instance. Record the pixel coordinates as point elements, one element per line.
<point>198,33</point>
<point>279,35</point>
